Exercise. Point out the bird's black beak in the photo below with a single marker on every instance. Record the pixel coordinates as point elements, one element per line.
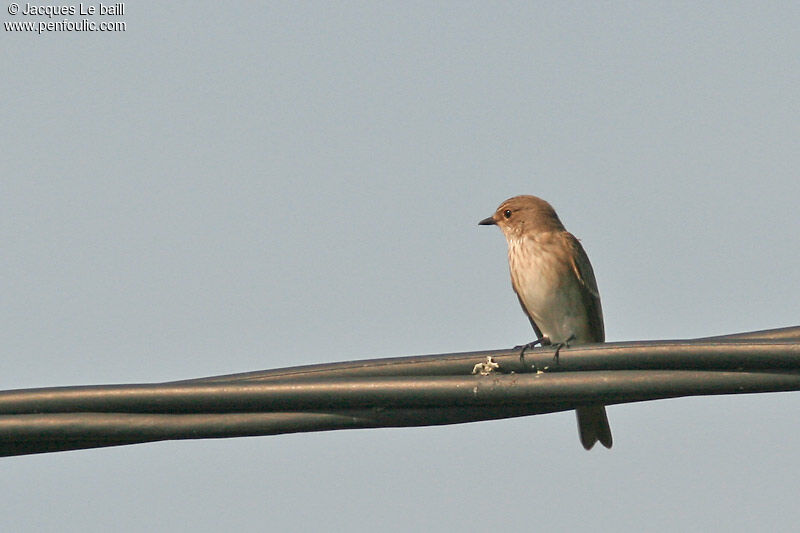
<point>487,222</point>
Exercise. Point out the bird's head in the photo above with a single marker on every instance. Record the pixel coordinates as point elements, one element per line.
<point>522,215</point>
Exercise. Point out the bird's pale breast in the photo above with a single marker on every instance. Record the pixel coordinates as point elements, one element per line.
<point>544,279</point>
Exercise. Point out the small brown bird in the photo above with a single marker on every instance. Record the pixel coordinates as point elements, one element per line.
<point>555,284</point>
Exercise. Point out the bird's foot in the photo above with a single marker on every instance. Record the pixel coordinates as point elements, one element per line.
<point>544,341</point>
<point>560,345</point>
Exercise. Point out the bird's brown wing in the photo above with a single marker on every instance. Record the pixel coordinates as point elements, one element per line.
<point>591,297</point>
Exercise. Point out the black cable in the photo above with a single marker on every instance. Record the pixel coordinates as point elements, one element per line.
<point>405,391</point>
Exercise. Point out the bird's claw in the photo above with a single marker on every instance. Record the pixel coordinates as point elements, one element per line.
<point>544,341</point>
<point>560,345</point>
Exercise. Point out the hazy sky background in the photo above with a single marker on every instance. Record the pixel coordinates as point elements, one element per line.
<point>228,187</point>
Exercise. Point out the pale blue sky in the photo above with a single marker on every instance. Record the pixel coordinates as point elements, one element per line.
<point>241,187</point>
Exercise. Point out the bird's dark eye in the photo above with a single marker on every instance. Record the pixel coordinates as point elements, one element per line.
<point>507,213</point>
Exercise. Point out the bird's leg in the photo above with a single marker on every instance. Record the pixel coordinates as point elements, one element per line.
<point>544,341</point>
<point>560,345</point>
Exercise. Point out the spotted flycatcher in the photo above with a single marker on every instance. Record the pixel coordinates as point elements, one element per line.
<point>555,285</point>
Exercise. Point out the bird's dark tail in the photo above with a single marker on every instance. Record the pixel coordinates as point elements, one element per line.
<point>593,426</point>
